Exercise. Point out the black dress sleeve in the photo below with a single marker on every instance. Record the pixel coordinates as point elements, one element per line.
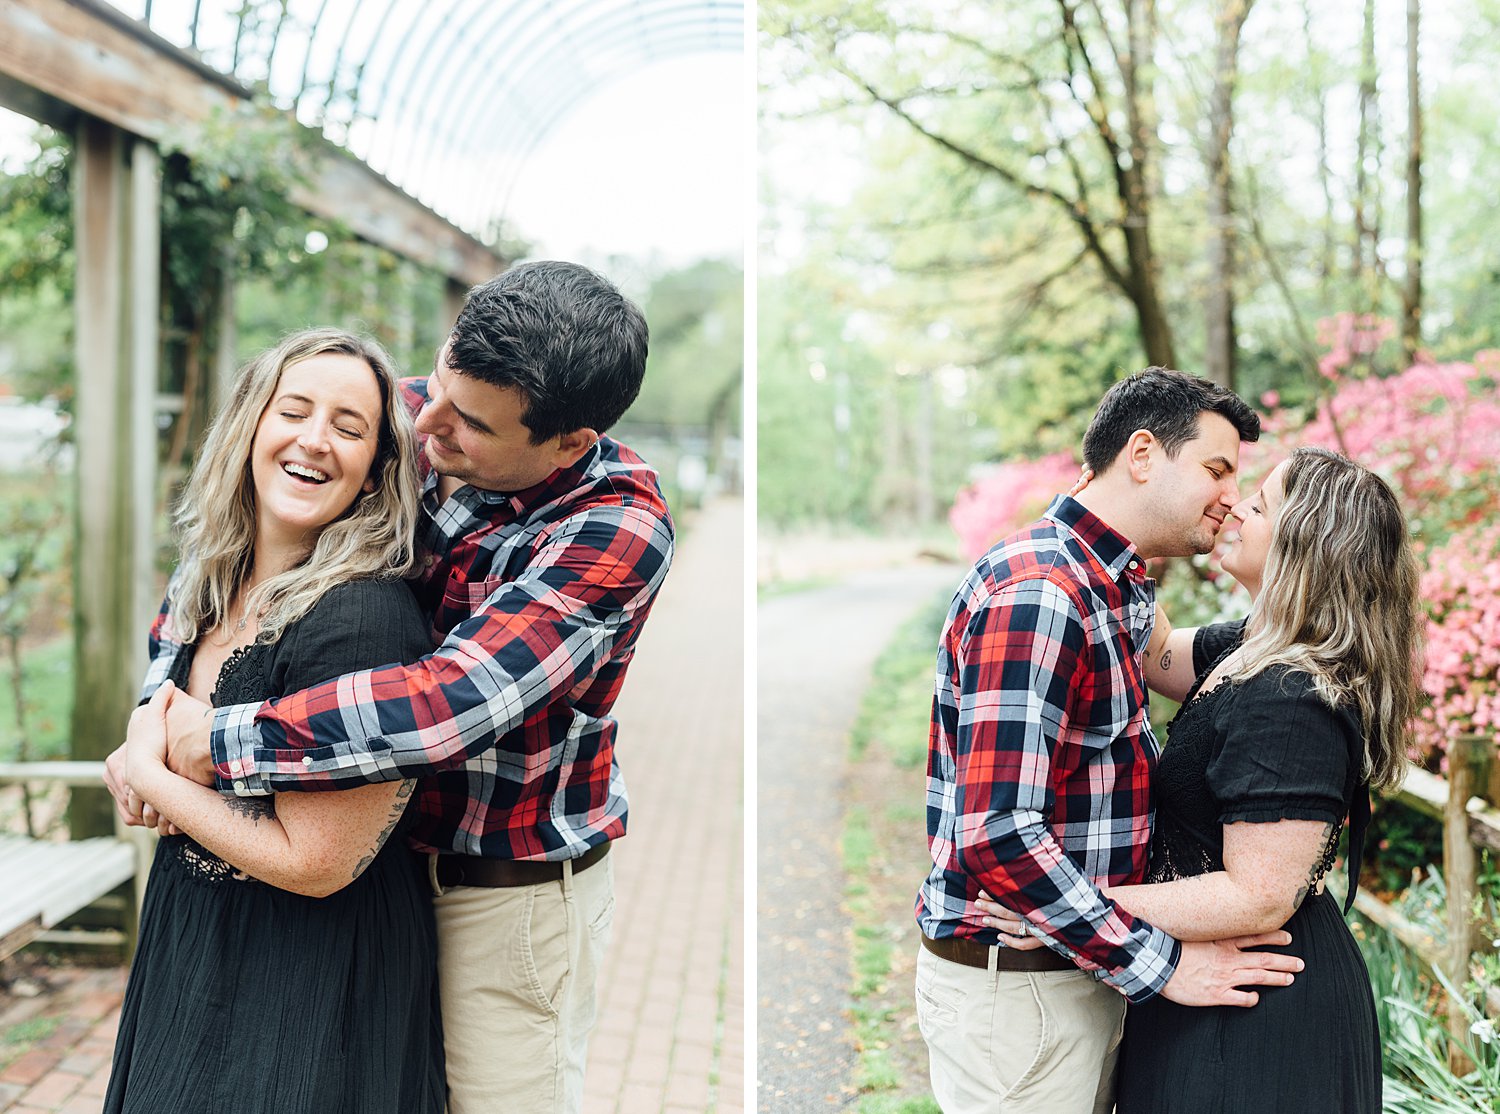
<point>1283,753</point>
<point>1210,642</point>
<point>355,626</point>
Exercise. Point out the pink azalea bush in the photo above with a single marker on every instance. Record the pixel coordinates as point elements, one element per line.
<point>1461,588</point>
<point>1433,431</point>
<point>1007,498</point>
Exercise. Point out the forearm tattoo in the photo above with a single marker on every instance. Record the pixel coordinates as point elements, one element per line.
<point>398,806</point>
<point>1314,871</point>
<point>256,808</point>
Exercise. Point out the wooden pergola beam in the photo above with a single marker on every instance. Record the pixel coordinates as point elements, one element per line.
<point>93,59</point>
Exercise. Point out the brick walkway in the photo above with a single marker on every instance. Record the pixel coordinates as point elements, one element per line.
<point>671,1035</point>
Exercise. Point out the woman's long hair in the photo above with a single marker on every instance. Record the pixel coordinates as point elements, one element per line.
<point>1339,600</point>
<point>216,516</point>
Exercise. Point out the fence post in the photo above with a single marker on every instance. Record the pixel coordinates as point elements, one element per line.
<point>1467,761</point>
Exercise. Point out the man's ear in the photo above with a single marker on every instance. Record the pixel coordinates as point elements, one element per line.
<point>1138,452</point>
<point>571,446</point>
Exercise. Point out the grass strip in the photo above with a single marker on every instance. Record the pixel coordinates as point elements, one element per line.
<point>880,845</point>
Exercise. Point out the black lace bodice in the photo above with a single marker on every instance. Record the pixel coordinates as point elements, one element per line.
<point>1189,835</point>
<point>1262,749</point>
<point>242,680</point>
<point>357,625</point>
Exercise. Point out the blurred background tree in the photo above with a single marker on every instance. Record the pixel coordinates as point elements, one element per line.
<point>1048,195</point>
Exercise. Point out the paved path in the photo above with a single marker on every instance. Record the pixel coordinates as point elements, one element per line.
<point>671,1031</point>
<point>671,1037</point>
<point>815,650</point>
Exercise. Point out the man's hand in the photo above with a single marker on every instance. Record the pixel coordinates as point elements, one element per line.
<point>189,725</point>
<point>1210,973</point>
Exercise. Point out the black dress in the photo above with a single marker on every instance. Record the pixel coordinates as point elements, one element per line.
<point>1264,749</point>
<point>247,999</point>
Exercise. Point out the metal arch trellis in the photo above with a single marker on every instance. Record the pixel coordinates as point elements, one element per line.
<point>690,43</point>
<point>411,83</point>
<point>493,90</point>
<point>504,166</point>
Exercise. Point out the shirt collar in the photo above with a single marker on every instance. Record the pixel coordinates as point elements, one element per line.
<point>558,484</point>
<point>1109,547</point>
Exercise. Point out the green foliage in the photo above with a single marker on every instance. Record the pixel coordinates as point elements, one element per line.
<point>697,366</point>
<point>897,1104</point>
<point>36,232</point>
<point>850,430</point>
<point>891,727</point>
<point>897,710</point>
<point>1415,1038</point>
<point>47,687</point>
<point>36,270</point>
<point>984,271</point>
<point>1400,845</point>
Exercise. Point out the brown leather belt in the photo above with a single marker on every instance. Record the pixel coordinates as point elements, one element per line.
<point>448,870</point>
<point>971,953</point>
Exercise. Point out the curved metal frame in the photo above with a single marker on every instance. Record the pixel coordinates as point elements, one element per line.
<point>479,80</point>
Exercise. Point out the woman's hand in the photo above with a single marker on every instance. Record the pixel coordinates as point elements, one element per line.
<point>1082,481</point>
<point>1011,926</point>
<point>146,748</point>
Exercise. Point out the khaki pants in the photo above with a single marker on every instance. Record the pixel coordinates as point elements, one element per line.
<point>1008,1042</point>
<point>517,969</point>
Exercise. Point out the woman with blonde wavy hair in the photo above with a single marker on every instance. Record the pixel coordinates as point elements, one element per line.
<point>1288,718</point>
<point>287,955</point>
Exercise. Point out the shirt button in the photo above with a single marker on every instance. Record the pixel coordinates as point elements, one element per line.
<point>239,787</point>
<point>1134,565</point>
<point>307,760</point>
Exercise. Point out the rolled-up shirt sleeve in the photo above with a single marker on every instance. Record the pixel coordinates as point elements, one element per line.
<point>1019,658</point>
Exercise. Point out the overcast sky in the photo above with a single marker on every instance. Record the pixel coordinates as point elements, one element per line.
<point>652,165</point>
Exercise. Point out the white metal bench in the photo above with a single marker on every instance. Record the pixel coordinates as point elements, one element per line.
<point>42,882</point>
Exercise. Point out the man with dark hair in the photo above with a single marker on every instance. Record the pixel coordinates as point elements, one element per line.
<point>543,544</point>
<point>1040,761</point>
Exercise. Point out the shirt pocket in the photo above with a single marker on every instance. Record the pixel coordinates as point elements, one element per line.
<point>1112,709</point>
<point>463,599</point>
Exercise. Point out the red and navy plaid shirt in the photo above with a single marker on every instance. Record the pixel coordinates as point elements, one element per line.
<point>1040,753</point>
<point>537,600</point>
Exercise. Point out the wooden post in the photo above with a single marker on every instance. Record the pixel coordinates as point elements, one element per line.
<point>1467,756</point>
<point>116,212</point>
<point>453,301</point>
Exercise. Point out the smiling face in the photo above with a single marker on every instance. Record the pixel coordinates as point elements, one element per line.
<point>1250,542</point>
<point>1191,495</point>
<point>474,434</point>
<point>314,447</point>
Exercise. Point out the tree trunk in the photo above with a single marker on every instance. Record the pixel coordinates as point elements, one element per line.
<point>1328,254</point>
<point>1411,292</point>
<point>1138,68</point>
<point>1219,358</point>
<point>1366,237</point>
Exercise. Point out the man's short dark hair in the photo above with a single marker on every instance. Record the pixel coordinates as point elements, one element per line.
<point>1167,403</point>
<point>562,335</point>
